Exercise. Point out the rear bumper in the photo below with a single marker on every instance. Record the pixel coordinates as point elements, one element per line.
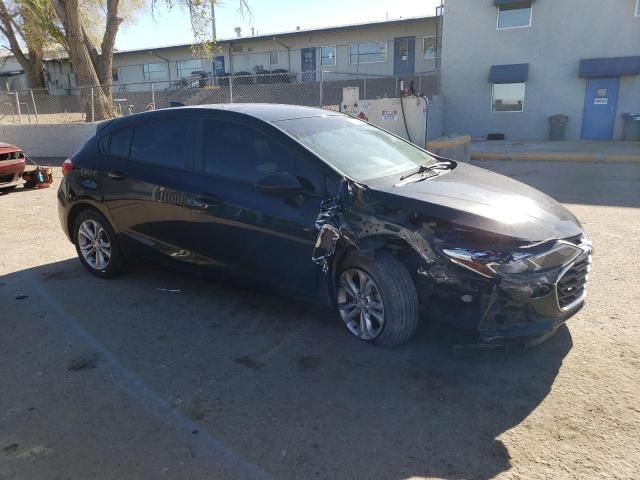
<point>63,208</point>
<point>11,172</point>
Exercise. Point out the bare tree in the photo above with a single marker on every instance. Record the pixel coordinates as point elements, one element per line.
<point>25,40</point>
<point>93,66</point>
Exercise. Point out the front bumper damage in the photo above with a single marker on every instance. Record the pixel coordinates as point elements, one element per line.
<point>500,309</point>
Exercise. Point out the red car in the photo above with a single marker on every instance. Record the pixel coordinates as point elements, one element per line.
<point>11,166</point>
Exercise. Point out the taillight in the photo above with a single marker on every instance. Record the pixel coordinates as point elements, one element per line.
<point>67,166</point>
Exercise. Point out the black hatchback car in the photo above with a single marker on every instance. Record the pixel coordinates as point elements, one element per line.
<point>328,208</point>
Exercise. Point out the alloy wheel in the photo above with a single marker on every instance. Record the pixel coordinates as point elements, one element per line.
<point>94,244</point>
<point>360,304</point>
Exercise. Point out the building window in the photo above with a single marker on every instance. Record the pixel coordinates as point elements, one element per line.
<point>514,16</point>
<point>328,56</point>
<point>187,67</point>
<point>507,97</point>
<point>429,46</point>
<point>368,52</point>
<point>274,58</point>
<point>154,71</point>
<point>114,74</point>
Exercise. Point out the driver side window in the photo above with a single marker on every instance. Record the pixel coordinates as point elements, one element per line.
<point>241,153</point>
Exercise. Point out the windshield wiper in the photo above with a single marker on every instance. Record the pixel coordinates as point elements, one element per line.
<point>426,168</point>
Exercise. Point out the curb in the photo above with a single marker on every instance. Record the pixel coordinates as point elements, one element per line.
<point>557,157</point>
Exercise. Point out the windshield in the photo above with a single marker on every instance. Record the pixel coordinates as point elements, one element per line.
<point>354,147</point>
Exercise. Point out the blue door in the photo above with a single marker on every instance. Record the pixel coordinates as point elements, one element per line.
<point>308,59</point>
<point>600,104</point>
<point>404,53</point>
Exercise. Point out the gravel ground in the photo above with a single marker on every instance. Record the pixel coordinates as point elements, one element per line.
<point>118,379</point>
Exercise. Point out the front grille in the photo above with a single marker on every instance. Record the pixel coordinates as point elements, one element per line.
<point>572,284</point>
<point>10,156</point>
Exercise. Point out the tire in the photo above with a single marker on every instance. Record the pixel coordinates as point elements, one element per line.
<point>86,223</point>
<point>393,288</point>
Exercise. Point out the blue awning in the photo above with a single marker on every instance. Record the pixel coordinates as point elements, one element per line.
<point>516,73</point>
<point>609,67</point>
<point>514,3</point>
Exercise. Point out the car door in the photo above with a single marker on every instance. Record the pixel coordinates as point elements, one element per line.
<point>145,176</point>
<point>266,239</point>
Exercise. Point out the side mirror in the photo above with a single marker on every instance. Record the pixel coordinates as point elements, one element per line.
<point>279,185</point>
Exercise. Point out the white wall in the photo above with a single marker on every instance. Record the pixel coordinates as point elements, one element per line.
<point>48,140</point>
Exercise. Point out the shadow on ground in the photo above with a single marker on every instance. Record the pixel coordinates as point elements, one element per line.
<point>282,384</point>
<point>615,184</point>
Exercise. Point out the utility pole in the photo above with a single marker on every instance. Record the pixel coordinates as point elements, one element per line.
<point>213,20</point>
<point>213,36</point>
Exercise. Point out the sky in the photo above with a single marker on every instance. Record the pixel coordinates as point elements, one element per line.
<point>269,16</point>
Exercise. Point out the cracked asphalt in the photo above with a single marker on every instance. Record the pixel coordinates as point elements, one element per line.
<point>129,378</point>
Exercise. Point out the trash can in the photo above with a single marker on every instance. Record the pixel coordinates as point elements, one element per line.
<point>557,127</point>
<point>631,126</point>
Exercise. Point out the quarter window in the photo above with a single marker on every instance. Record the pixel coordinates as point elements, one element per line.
<point>163,142</point>
<point>187,67</point>
<point>637,8</point>
<point>507,97</point>
<point>120,143</point>
<point>429,46</point>
<point>235,151</point>
<point>328,56</point>
<point>517,15</point>
<point>368,52</point>
<point>155,71</point>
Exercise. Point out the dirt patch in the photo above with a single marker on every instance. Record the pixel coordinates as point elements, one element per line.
<point>83,362</point>
<point>12,447</point>
<point>59,275</point>
<point>309,362</point>
<point>248,362</point>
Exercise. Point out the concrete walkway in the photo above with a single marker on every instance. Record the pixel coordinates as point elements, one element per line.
<point>577,151</point>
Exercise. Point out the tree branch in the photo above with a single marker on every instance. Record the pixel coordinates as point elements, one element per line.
<point>8,32</point>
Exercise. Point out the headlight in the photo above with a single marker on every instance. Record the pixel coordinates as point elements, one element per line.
<point>489,264</point>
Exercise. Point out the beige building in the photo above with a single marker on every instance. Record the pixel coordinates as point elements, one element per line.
<point>394,47</point>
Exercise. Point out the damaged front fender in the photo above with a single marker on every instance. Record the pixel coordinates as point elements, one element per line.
<point>348,220</point>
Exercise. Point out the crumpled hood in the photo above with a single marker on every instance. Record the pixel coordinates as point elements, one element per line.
<point>478,199</point>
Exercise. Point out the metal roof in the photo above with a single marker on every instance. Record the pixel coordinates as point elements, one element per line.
<point>290,33</point>
<point>515,73</point>
<point>609,67</point>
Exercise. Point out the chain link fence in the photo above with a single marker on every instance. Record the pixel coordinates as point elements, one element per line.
<point>312,88</point>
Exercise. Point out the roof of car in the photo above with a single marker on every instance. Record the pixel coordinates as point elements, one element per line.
<point>270,112</point>
<point>266,112</point>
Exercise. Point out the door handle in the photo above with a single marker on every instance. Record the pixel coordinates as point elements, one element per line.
<point>204,201</point>
<point>209,198</point>
<point>115,175</point>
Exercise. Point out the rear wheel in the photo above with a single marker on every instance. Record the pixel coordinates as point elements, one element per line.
<point>377,299</point>
<point>97,245</point>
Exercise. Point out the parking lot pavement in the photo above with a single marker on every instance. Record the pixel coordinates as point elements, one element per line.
<point>124,379</point>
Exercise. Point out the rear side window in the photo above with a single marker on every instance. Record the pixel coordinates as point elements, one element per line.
<point>163,142</point>
<point>242,153</point>
<point>120,143</point>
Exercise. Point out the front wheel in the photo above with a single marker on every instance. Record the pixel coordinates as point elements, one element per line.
<point>377,299</point>
<point>97,245</point>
